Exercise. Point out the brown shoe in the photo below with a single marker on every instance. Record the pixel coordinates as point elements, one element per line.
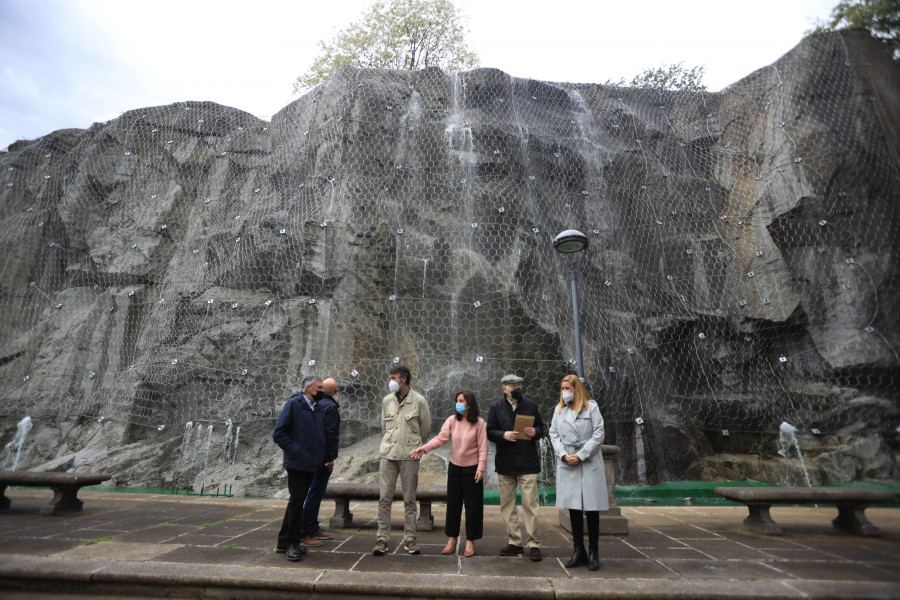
<point>380,548</point>
<point>310,541</point>
<point>511,550</point>
<point>535,554</point>
<point>322,535</point>
<point>412,547</point>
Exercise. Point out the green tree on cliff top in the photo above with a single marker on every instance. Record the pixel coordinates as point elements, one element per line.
<point>396,34</point>
<point>666,77</point>
<point>880,17</point>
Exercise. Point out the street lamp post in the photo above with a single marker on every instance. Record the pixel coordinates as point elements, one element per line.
<point>572,242</point>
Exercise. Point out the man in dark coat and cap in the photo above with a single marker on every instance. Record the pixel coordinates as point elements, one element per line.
<point>518,464</point>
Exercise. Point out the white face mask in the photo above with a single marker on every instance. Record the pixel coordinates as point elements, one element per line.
<point>393,386</point>
<point>568,396</point>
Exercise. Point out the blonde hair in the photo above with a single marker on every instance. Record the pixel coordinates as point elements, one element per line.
<point>581,395</point>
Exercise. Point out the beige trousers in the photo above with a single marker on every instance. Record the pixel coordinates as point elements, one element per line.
<point>388,471</point>
<point>530,508</point>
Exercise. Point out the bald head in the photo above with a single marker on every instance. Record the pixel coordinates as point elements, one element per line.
<point>330,386</point>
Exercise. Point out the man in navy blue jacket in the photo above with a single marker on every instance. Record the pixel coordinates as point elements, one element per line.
<point>310,532</point>
<point>300,433</point>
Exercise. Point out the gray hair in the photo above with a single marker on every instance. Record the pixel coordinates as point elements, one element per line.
<point>308,381</point>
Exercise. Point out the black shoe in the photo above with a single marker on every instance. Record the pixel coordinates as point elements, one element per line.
<point>593,561</point>
<point>293,552</point>
<point>280,549</point>
<point>535,554</point>
<point>511,550</point>
<point>579,558</point>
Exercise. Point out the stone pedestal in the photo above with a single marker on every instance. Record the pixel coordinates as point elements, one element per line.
<point>612,522</point>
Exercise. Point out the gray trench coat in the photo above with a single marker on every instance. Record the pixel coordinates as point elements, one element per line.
<point>582,487</point>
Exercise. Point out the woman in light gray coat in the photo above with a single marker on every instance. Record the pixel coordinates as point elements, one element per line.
<point>576,433</point>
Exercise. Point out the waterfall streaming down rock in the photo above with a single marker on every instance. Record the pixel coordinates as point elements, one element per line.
<point>13,449</point>
<point>639,453</point>
<point>237,438</point>
<point>227,441</point>
<point>186,443</point>
<point>207,443</point>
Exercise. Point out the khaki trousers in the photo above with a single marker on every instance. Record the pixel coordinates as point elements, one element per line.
<point>388,471</point>
<point>530,508</point>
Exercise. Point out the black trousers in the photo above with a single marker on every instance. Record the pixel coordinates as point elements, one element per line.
<point>593,521</point>
<point>298,487</point>
<point>463,491</point>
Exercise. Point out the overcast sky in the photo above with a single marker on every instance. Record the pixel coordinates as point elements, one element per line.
<point>70,63</point>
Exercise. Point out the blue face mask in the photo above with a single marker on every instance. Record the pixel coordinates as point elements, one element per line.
<point>460,408</point>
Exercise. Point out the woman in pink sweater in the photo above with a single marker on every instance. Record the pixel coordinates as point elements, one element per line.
<point>465,473</point>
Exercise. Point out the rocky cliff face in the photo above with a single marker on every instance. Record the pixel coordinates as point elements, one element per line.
<point>171,275</point>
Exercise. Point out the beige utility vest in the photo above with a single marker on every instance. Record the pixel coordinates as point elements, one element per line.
<point>405,425</point>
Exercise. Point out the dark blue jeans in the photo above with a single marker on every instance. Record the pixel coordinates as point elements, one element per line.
<point>298,486</point>
<point>310,518</point>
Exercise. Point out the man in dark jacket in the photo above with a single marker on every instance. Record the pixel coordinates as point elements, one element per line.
<point>300,433</point>
<point>518,464</point>
<point>310,532</point>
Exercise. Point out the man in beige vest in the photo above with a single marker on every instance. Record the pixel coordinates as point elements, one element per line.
<point>406,422</point>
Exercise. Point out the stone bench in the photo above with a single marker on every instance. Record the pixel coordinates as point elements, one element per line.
<point>344,493</point>
<point>65,487</point>
<point>851,504</point>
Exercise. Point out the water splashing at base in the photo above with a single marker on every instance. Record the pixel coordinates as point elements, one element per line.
<point>787,440</point>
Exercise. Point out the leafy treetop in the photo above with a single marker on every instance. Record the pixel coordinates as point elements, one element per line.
<point>880,17</point>
<point>666,77</point>
<point>396,34</point>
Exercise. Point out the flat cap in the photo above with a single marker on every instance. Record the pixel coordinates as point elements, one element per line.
<point>511,379</point>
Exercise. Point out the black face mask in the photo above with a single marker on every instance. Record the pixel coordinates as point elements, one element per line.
<point>318,396</point>
<point>517,394</point>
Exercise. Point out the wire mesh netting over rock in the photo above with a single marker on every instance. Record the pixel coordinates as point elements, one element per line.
<point>170,276</point>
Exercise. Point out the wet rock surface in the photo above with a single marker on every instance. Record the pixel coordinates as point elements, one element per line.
<point>171,275</point>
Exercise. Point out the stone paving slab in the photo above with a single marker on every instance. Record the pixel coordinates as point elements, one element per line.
<point>846,590</point>
<point>260,538</point>
<point>210,555</point>
<point>838,571</point>
<point>191,547</point>
<point>720,549</point>
<point>650,589</point>
<point>626,569</point>
<point>723,569</point>
<point>157,534</point>
<point>118,551</point>
<point>38,546</point>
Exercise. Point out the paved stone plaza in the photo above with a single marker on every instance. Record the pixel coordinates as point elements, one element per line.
<point>144,545</point>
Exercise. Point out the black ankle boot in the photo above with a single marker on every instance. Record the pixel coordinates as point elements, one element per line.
<point>593,562</point>
<point>579,558</point>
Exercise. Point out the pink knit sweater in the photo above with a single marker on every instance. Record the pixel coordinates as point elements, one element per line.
<point>469,446</point>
